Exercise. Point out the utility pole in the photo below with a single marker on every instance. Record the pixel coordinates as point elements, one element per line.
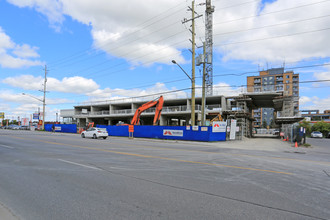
<point>193,59</point>
<point>203,86</point>
<point>44,101</point>
<point>193,65</point>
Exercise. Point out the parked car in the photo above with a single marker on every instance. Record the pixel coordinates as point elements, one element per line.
<point>276,132</point>
<point>14,127</point>
<point>316,134</point>
<point>95,133</point>
<point>24,127</point>
<point>328,135</point>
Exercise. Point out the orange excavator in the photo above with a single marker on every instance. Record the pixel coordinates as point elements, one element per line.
<point>159,106</point>
<point>90,125</point>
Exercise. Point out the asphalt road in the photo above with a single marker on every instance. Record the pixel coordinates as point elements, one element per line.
<point>62,176</point>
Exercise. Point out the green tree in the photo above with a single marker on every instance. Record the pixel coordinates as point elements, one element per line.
<point>264,124</point>
<point>272,124</point>
<point>322,127</point>
<point>307,125</point>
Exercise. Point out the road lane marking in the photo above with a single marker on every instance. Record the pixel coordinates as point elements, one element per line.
<point>162,158</point>
<point>234,154</point>
<point>9,147</point>
<point>79,164</point>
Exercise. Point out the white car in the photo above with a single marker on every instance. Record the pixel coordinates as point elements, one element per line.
<point>316,134</point>
<point>95,133</point>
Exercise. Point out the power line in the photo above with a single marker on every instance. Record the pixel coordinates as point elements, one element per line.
<point>180,33</point>
<point>280,36</point>
<point>82,53</point>
<point>268,13</point>
<point>240,74</point>
<point>199,87</point>
<point>273,25</point>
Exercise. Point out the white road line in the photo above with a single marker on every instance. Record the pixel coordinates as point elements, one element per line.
<point>6,146</point>
<point>78,164</point>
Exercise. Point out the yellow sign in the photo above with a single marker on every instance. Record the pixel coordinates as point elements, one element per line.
<point>2,115</point>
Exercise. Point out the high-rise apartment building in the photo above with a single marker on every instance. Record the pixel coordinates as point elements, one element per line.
<point>273,80</point>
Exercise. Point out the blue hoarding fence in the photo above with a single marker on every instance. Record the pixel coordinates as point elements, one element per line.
<point>192,133</point>
<point>66,128</point>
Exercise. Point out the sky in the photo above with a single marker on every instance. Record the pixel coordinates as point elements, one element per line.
<point>105,50</point>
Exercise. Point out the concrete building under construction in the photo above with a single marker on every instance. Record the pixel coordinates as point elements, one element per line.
<point>275,79</point>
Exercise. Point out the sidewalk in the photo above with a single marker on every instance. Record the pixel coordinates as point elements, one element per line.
<point>6,214</point>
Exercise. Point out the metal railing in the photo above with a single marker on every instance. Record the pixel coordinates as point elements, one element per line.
<point>168,109</point>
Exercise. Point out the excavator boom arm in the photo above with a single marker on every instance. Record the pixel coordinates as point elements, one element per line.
<point>150,104</point>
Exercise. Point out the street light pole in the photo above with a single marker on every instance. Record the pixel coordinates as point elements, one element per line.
<point>40,100</point>
<point>44,101</point>
<point>192,94</point>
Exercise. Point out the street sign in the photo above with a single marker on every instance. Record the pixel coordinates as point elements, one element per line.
<point>219,126</point>
<point>130,128</point>
<point>232,135</point>
<point>36,116</point>
<point>2,115</point>
<point>25,121</point>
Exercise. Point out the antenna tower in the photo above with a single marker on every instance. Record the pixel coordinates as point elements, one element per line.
<point>209,45</point>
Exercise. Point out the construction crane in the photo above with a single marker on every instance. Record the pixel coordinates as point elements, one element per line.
<point>159,106</point>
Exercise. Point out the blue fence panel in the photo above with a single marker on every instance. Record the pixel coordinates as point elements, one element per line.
<point>66,128</point>
<point>167,132</point>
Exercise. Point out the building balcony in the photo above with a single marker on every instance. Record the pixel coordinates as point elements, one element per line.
<point>130,112</point>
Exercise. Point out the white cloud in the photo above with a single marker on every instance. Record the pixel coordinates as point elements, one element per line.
<point>52,9</point>
<point>314,103</point>
<point>107,93</point>
<point>304,99</point>
<point>322,76</point>
<point>116,30</point>
<point>226,90</point>
<point>115,26</point>
<point>13,55</point>
<point>25,51</point>
<point>32,100</point>
<point>289,49</point>
<point>75,84</point>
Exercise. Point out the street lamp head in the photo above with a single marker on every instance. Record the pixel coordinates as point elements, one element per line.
<point>173,61</point>
<point>23,93</point>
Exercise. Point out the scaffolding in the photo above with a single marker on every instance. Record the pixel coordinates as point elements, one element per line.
<point>242,114</point>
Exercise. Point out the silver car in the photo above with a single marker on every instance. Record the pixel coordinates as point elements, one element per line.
<point>316,134</point>
<point>95,133</point>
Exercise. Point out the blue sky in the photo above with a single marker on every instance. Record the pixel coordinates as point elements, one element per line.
<point>102,50</point>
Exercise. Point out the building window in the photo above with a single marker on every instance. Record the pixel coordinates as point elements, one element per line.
<point>287,76</point>
<point>287,87</point>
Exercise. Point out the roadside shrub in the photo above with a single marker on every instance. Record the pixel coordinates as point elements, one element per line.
<point>322,127</point>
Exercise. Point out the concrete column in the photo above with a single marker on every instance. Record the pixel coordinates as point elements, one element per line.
<point>188,105</point>
<point>134,107</point>
<point>223,104</point>
<point>162,120</point>
<point>228,104</point>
